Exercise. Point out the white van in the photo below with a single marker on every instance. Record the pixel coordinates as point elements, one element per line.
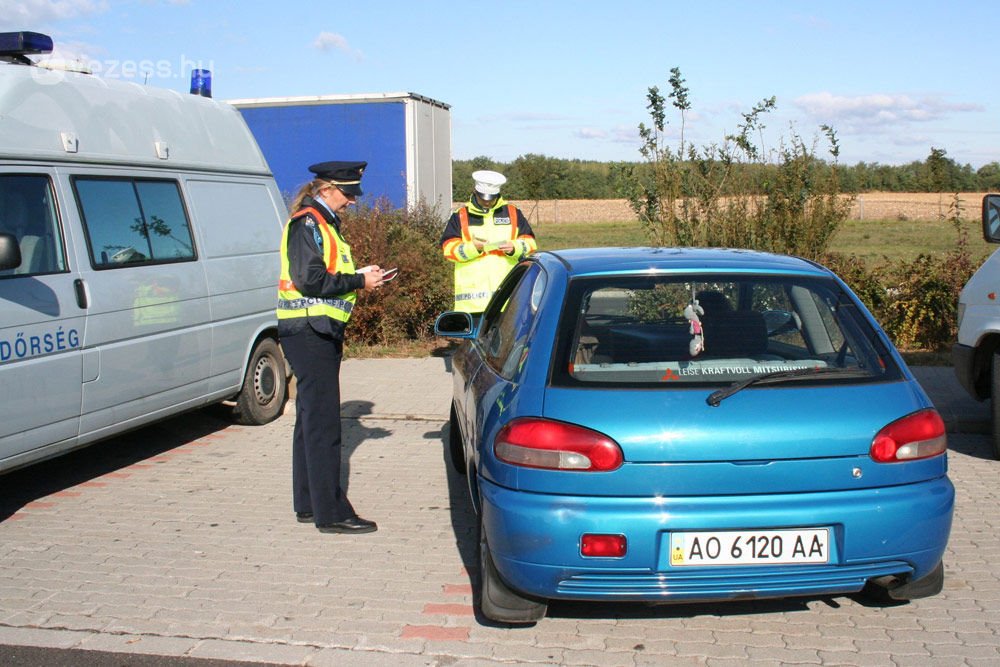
<point>976,355</point>
<point>139,233</point>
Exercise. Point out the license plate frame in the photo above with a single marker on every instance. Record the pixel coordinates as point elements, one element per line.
<point>756,547</point>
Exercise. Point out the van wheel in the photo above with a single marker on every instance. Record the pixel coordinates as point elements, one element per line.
<point>265,387</point>
<point>455,447</point>
<point>995,403</point>
<point>497,600</point>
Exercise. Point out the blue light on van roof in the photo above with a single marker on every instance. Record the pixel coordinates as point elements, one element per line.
<point>23,43</point>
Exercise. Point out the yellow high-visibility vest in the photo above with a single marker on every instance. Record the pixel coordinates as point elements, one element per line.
<point>336,256</point>
<point>478,274</point>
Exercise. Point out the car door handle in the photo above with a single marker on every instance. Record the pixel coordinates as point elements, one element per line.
<point>82,293</point>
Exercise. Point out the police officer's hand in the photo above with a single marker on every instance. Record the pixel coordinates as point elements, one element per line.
<point>507,247</point>
<point>373,276</point>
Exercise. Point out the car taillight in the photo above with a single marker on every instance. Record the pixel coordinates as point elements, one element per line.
<point>603,546</point>
<point>917,436</point>
<point>541,443</point>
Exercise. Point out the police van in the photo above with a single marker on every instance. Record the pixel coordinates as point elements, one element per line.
<point>139,233</point>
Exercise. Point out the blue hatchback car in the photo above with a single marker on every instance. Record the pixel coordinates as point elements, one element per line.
<point>674,425</point>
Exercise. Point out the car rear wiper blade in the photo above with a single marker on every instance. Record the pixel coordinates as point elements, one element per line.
<point>718,396</point>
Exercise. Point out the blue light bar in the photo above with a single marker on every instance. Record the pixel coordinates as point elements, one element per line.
<point>23,43</point>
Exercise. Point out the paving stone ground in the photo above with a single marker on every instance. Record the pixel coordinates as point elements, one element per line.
<point>180,540</point>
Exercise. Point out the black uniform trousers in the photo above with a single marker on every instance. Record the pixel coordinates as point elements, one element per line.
<point>316,443</point>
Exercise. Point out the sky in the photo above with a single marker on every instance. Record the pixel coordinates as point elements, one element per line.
<point>569,79</point>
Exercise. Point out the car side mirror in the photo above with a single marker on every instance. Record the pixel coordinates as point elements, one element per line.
<point>991,218</point>
<point>10,252</point>
<point>453,324</point>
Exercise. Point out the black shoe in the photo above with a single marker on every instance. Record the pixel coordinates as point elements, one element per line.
<point>304,517</point>
<point>353,525</point>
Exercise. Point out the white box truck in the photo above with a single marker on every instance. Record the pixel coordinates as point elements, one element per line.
<point>139,234</point>
<point>976,354</point>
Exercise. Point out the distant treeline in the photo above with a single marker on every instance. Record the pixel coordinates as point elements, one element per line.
<point>541,177</point>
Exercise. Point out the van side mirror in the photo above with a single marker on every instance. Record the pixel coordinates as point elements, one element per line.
<point>991,218</point>
<point>10,252</point>
<point>453,324</point>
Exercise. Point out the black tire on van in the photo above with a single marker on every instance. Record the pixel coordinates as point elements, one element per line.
<point>265,386</point>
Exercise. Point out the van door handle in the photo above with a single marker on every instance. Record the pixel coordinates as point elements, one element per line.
<point>81,293</point>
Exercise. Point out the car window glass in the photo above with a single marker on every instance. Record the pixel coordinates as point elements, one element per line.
<point>28,212</point>
<point>166,224</point>
<point>505,337</point>
<point>131,222</point>
<point>712,329</point>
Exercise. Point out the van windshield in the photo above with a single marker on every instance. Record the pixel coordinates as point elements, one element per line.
<point>714,329</point>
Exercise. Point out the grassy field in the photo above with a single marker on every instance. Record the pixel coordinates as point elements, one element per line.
<point>870,240</point>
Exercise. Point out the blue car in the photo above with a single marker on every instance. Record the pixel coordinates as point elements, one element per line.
<point>686,425</point>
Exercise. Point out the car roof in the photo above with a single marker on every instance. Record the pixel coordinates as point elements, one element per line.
<point>598,261</point>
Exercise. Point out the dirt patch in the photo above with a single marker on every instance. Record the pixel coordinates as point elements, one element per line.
<point>867,206</point>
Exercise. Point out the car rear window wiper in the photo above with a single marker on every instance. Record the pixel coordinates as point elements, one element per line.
<point>718,396</point>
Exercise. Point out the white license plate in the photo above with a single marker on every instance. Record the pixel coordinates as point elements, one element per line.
<point>750,547</point>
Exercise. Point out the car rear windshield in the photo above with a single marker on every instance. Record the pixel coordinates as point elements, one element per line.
<point>714,329</point>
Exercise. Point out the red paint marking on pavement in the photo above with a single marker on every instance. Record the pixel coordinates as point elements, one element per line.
<point>16,517</point>
<point>92,483</point>
<point>457,589</point>
<point>449,609</point>
<point>65,494</point>
<point>117,475</point>
<point>434,633</point>
<point>140,466</point>
<point>38,505</point>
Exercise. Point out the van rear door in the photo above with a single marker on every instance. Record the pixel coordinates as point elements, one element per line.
<point>42,324</point>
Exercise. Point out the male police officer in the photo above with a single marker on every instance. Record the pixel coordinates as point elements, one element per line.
<point>485,238</point>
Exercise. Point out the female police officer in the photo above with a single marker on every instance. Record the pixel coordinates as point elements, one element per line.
<point>316,293</point>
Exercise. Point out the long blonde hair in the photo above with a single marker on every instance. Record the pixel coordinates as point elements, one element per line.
<point>310,189</point>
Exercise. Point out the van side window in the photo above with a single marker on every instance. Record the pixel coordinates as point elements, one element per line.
<point>133,221</point>
<point>27,210</point>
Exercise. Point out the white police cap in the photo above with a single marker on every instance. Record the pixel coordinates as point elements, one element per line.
<point>488,182</point>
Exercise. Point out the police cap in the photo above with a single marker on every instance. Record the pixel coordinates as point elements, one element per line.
<point>345,175</point>
<point>488,182</point>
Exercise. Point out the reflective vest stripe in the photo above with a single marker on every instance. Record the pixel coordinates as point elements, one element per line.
<point>305,302</point>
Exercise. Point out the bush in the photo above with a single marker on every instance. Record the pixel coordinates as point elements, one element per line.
<point>916,302</point>
<point>404,309</point>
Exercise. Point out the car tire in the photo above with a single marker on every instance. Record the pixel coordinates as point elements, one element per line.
<point>456,450</point>
<point>995,403</point>
<point>497,601</point>
<point>265,386</point>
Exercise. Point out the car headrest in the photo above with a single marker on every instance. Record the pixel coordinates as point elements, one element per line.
<point>740,333</point>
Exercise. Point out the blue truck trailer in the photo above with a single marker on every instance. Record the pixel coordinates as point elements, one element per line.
<point>404,137</point>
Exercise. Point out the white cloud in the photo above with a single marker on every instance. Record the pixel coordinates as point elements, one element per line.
<point>31,14</point>
<point>331,41</point>
<point>590,133</point>
<point>864,111</point>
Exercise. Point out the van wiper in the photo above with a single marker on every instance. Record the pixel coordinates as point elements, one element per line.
<point>717,397</point>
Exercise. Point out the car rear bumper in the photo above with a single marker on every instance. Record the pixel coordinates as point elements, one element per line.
<point>535,541</point>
